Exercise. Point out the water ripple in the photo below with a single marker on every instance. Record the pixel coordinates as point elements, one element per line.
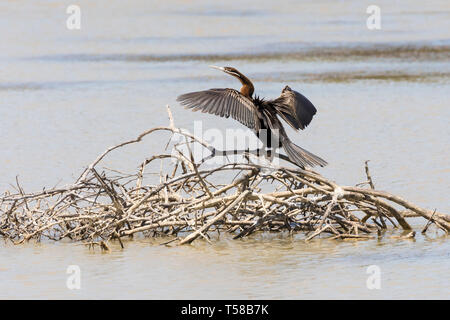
<point>355,52</point>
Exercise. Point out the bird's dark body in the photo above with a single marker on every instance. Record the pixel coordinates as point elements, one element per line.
<point>269,137</point>
<point>260,115</point>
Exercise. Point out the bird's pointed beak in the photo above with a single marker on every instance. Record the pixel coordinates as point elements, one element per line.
<point>218,68</point>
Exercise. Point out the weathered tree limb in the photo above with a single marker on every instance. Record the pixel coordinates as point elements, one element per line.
<point>188,202</point>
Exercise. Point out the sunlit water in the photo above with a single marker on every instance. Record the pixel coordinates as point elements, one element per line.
<point>65,96</point>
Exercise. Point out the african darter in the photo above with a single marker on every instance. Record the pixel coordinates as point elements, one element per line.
<point>259,114</point>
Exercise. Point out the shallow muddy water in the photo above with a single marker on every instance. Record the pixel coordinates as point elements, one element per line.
<point>383,96</point>
<point>261,267</point>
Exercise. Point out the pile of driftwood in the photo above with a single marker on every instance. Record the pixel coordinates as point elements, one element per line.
<point>188,202</point>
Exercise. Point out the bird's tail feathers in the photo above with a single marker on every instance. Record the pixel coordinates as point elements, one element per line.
<point>302,157</point>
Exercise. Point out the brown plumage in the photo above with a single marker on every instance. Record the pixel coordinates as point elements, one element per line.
<point>259,114</point>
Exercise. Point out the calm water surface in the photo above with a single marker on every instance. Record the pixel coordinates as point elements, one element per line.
<point>381,96</point>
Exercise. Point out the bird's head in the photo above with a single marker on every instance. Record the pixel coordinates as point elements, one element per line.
<point>229,70</point>
<point>247,86</point>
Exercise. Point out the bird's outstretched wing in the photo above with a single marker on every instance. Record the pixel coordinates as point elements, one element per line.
<point>224,103</point>
<point>294,108</point>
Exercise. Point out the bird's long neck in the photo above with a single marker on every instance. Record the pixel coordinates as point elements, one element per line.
<point>247,86</point>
